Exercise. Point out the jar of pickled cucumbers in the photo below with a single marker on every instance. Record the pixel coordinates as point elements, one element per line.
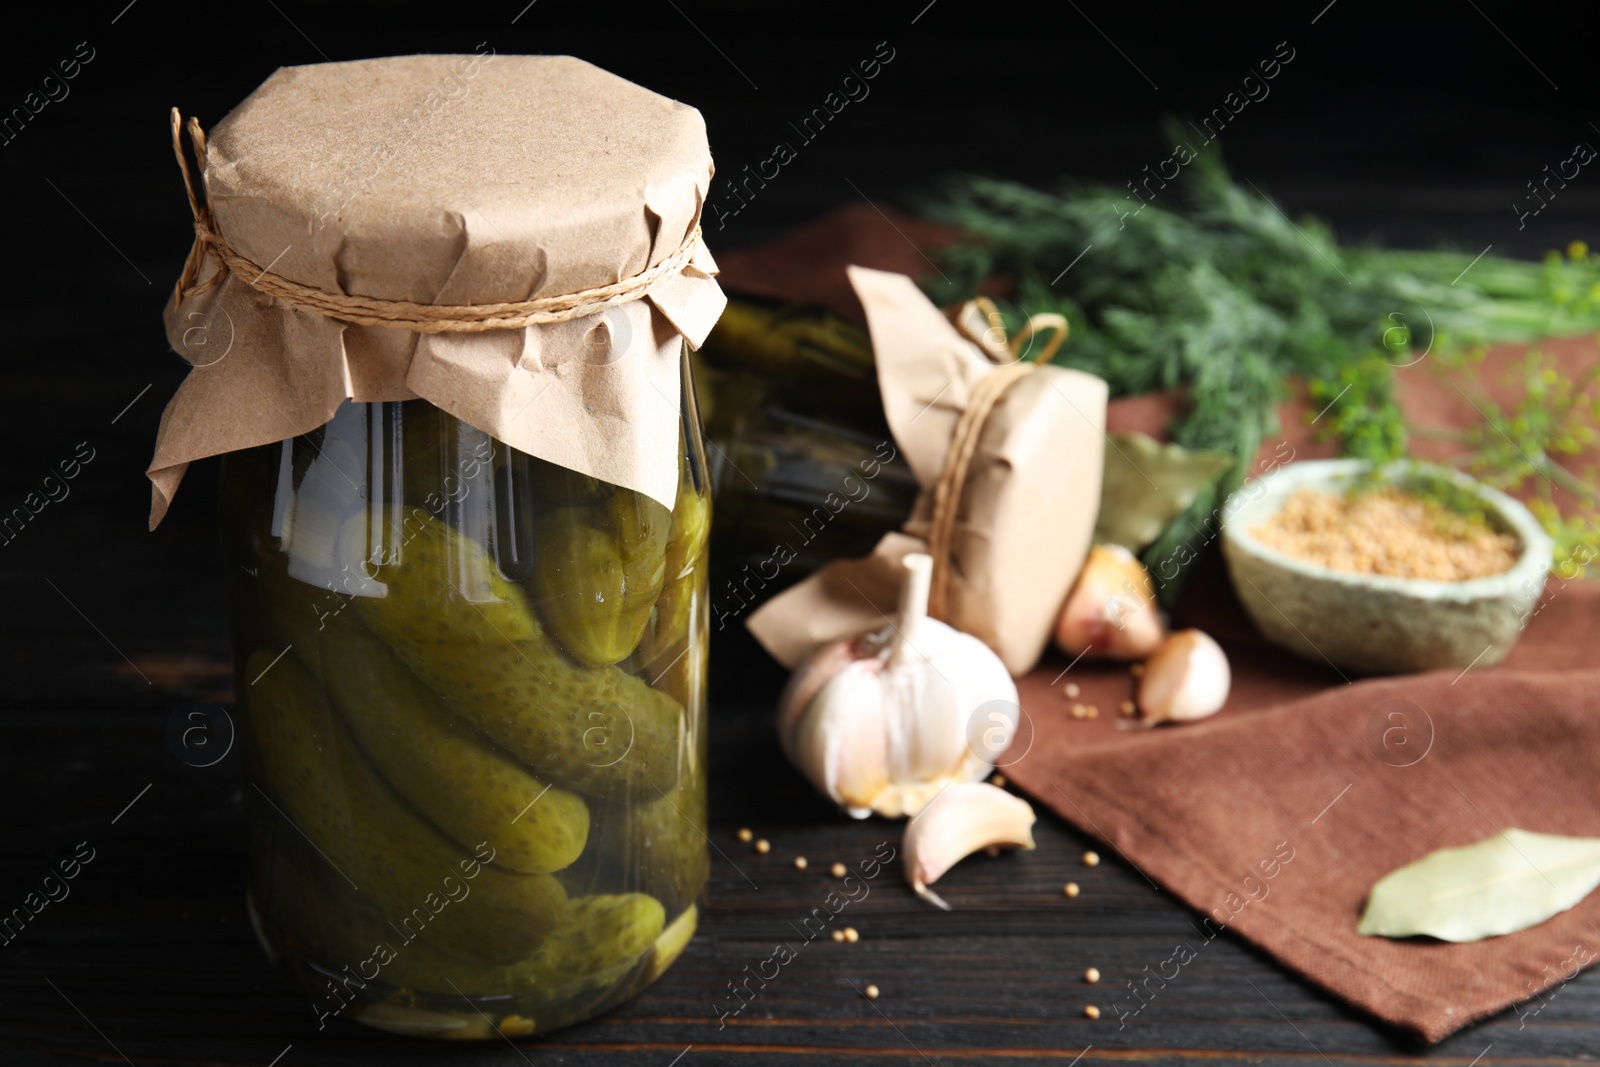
<point>442,349</point>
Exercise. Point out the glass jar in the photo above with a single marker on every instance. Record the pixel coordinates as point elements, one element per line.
<point>472,698</point>
<point>790,398</point>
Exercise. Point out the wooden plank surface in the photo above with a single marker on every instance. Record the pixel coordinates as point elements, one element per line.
<point>151,957</point>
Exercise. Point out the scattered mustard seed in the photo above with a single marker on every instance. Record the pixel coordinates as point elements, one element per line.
<point>1071,889</point>
<point>1092,975</point>
<point>871,992</point>
<point>1127,707</point>
<point>1072,691</point>
<point>999,780</point>
<point>1079,711</point>
<point>800,863</point>
<point>763,846</point>
<point>838,935</point>
<point>1092,712</point>
<point>851,934</point>
<point>840,870</point>
<point>1091,1012</point>
<point>745,835</point>
<point>1091,859</point>
<point>516,1026</point>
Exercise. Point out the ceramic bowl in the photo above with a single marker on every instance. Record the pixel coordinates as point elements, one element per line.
<point>1375,624</point>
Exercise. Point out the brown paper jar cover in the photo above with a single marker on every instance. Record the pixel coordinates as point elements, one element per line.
<point>1027,507</point>
<point>449,180</point>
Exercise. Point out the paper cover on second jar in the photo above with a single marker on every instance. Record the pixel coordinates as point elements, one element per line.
<point>1027,508</point>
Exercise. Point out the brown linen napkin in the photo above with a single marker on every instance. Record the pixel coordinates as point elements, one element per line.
<point>1431,761</point>
<point>1274,819</point>
<point>1199,809</point>
<point>807,266</point>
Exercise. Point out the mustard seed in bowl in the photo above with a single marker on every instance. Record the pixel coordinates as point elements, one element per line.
<point>1376,623</point>
<point>1387,531</point>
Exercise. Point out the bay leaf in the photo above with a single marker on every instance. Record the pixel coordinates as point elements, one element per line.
<point>1502,884</point>
<point>1146,484</point>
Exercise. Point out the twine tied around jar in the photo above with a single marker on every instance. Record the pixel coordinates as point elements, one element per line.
<point>986,394</point>
<point>401,314</point>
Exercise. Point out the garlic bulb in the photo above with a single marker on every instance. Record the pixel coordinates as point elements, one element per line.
<point>883,722</point>
<point>965,817</point>
<point>1187,679</point>
<point>1111,611</point>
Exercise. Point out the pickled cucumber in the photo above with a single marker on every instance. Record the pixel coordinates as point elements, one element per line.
<point>599,571</point>
<point>691,527</point>
<point>443,460</point>
<point>424,444</point>
<point>281,609</point>
<point>666,838</point>
<point>309,910</point>
<point>601,957</point>
<point>563,487</point>
<point>310,913</point>
<point>598,731</point>
<point>650,842</point>
<point>323,786</point>
<point>598,941</point>
<point>673,670</point>
<point>452,774</point>
<point>297,616</point>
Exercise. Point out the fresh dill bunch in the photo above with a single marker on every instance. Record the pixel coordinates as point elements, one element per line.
<point>1214,290</point>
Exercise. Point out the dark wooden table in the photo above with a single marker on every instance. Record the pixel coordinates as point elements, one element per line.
<point>112,636</point>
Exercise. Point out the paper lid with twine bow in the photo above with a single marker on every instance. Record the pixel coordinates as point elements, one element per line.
<point>1008,455</point>
<point>514,239</point>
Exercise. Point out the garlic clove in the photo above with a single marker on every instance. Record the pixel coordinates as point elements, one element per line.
<point>842,742</point>
<point>1111,611</point>
<point>964,818</point>
<point>809,679</point>
<point>1186,679</point>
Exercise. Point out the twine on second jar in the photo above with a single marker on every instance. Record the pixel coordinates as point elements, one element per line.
<point>986,394</point>
<point>401,314</point>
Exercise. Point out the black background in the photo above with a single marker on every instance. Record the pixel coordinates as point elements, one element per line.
<point>1414,124</point>
<point>1408,124</point>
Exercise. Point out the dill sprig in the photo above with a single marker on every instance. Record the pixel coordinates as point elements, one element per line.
<point>1528,446</point>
